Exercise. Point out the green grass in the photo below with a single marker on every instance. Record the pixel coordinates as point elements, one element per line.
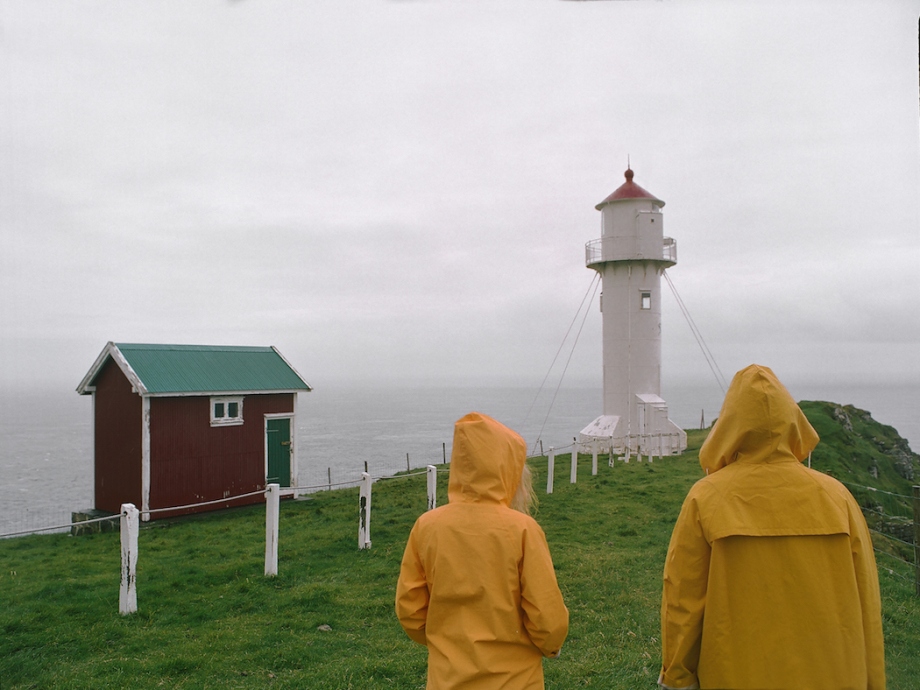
<point>854,448</point>
<point>208,618</point>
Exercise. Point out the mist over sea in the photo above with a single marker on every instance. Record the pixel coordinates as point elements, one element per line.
<point>46,438</point>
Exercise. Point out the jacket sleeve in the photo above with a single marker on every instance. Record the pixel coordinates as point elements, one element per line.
<point>546,618</point>
<point>869,597</point>
<point>686,574</point>
<point>412,591</point>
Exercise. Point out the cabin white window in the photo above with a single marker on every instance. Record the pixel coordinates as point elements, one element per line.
<point>226,411</point>
<point>645,299</point>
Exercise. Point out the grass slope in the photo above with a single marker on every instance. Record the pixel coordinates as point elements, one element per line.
<point>863,453</point>
<point>208,618</point>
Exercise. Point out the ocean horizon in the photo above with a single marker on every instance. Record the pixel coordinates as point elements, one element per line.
<point>46,438</point>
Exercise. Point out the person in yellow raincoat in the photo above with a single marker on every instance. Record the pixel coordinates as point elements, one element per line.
<point>770,578</point>
<point>476,584</point>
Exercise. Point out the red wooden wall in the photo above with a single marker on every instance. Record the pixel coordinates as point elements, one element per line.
<point>191,461</point>
<point>118,433</point>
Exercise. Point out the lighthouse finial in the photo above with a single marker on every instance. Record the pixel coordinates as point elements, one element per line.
<point>629,173</point>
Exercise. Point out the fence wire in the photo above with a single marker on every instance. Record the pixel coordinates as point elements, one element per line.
<point>355,482</point>
<point>892,537</point>
<point>880,491</point>
<point>299,489</point>
<point>881,513</point>
<point>69,525</point>
<point>878,511</point>
<point>156,511</point>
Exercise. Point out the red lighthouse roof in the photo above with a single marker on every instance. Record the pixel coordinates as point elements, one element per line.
<point>629,190</point>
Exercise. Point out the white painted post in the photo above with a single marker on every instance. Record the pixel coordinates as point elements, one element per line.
<point>127,596</point>
<point>594,461</point>
<point>550,469</point>
<point>573,469</point>
<point>432,487</point>
<point>364,518</point>
<point>272,501</point>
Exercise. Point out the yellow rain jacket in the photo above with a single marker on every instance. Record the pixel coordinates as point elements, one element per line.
<point>477,584</point>
<point>770,579</point>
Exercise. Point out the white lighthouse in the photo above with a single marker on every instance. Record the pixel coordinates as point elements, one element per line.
<point>631,255</point>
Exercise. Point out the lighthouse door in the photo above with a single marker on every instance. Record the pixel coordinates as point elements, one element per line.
<point>278,451</point>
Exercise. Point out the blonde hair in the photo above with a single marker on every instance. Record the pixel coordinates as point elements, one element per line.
<point>525,498</point>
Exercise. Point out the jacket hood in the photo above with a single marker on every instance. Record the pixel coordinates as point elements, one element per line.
<point>486,461</point>
<point>760,422</point>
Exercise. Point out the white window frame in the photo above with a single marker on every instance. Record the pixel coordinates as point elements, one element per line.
<point>226,402</point>
<point>643,295</point>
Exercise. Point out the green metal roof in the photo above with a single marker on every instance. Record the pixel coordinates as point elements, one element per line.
<point>189,369</point>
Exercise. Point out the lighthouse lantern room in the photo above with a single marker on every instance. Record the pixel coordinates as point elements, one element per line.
<point>631,256</point>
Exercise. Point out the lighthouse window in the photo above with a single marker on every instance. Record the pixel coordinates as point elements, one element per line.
<point>646,302</point>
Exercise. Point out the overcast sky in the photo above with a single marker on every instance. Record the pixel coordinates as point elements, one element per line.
<point>403,190</point>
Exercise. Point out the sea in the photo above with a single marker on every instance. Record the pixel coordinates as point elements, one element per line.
<point>46,438</point>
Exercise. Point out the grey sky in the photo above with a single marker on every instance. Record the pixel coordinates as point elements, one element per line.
<point>403,190</point>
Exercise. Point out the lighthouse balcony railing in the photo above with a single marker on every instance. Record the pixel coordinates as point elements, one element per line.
<point>625,249</point>
<point>669,250</point>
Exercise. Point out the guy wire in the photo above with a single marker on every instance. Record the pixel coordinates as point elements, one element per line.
<point>561,345</point>
<point>596,284</point>
<point>707,354</point>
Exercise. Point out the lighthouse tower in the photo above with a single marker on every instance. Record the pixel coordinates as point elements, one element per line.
<point>631,255</point>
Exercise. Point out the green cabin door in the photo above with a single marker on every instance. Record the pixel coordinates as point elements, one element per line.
<point>278,448</point>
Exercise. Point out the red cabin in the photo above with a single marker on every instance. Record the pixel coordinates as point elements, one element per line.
<point>176,425</point>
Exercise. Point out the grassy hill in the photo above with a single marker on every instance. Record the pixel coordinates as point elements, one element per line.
<point>878,467</point>
<point>208,618</point>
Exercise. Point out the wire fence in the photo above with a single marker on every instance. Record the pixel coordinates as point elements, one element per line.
<point>877,490</point>
<point>51,528</point>
<point>62,520</point>
<point>75,524</point>
<point>893,545</point>
<point>129,523</point>
<point>882,523</point>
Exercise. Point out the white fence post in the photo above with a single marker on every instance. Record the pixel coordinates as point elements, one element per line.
<point>432,487</point>
<point>364,518</point>
<point>573,471</point>
<point>550,469</point>
<point>594,461</point>
<point>127,596</point>
<point>272,496</point>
